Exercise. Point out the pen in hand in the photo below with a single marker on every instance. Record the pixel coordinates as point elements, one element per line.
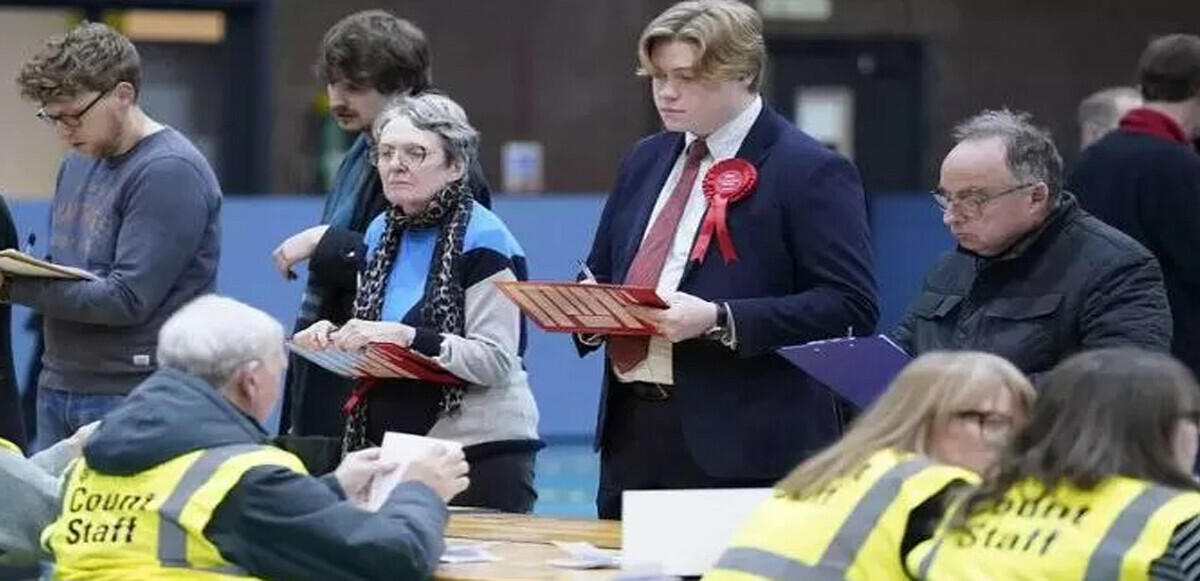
<point>589,339</point>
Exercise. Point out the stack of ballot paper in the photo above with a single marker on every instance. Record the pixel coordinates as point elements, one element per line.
<point>858,369</point>
<point>458,553</point>
<point>584,556</point>
<point>402,449</point>
<point>379,360</point>
<point>567,307</point>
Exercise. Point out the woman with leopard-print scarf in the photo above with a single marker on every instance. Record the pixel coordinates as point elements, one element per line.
<point>427,283</point>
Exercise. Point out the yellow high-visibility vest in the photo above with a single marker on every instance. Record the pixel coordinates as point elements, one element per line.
<point>849,530</point>
<point>11,447</point>
<point>150,525</point>
<point>1112,532</point>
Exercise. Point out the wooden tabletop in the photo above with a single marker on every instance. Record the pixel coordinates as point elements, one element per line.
<point>525,528</point>
<point>519,562</point>
<point>523,544</point>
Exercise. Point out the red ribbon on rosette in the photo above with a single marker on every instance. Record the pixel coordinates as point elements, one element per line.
<point>726,182</point>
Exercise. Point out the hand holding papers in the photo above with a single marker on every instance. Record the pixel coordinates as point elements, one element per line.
<point>564,307</point>
<point>858,369</point>
<point>17,263</point>
<point>378,360</point>
<point>440,473</point>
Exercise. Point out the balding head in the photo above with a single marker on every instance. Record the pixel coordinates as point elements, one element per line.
<point>1101,111</point>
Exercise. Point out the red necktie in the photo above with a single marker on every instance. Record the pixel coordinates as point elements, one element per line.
<point>627,352</point>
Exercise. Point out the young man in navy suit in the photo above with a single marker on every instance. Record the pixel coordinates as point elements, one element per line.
<point>708,403</point>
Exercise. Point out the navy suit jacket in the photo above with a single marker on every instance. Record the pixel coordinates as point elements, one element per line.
<point>804,273</point>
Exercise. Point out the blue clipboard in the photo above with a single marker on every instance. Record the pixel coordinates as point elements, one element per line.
<point>858,369</point>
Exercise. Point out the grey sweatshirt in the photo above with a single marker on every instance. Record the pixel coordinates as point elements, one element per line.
<point>30,492</point>
<point>147,222</point>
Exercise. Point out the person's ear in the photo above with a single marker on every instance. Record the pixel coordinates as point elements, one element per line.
<point>248,380</point>
<point>125,93</point>
<point>1039,197</point>
<point>459,169</point>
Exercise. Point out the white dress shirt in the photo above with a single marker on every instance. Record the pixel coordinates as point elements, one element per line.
<point>723,143</point>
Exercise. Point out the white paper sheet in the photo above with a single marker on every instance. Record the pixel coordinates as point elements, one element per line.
<point>402,449</point>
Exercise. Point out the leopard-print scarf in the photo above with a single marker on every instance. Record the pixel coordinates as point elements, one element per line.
<point>443,302</point>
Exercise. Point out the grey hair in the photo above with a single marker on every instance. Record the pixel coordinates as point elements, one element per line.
<point>1029,150</point>
<point>439,115</point>
<point>1099,110</point>
<point>213,337</point>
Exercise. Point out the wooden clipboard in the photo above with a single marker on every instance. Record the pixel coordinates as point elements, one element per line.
<point>568,307</point>
<point>16,263</point>
<point>379,360</point>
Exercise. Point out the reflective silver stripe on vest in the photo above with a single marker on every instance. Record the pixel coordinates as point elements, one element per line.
<point>844,546</point>
<point>927,562</point>
<point>1105,562</point>
<point>172,538</point>
<point>770,565</point>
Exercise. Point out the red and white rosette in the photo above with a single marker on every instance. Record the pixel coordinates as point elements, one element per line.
<point>726,182</point>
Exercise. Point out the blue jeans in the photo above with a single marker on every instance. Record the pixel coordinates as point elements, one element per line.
<point>60,413</point>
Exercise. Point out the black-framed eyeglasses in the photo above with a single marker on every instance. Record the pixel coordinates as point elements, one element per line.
<point>990,423</point>
<point>73,120</point>
<point>971,205</point>
<point>410,155</point>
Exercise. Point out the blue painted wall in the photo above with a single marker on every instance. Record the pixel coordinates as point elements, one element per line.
<point>555,231</point>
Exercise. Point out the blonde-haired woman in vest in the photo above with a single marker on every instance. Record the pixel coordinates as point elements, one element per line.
<point>1097,486</point>
<point>853,510</point>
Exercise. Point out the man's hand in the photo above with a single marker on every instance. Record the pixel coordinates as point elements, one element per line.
<point>298,248</point>
<point>589,339</point>
<point>80,438</point>
<point>316,336</point>
<point>686,316</point>
<point>443,470</point>
<point>356,333</point>
<point>357,471</point>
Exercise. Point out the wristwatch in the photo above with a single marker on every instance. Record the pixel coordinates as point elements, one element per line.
<point>722,331</point>
<point>722,318</point>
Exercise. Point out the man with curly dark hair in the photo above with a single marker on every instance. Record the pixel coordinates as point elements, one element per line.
<point>135,204</point>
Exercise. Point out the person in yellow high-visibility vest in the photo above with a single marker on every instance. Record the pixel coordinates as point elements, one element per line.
<point>29,496</point>
<point>851,511</point>
<point>1097,486</point>
<point>180,482</point>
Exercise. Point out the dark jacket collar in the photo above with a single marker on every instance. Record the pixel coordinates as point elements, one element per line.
<point>1037,238</point>
<point>169,414</point>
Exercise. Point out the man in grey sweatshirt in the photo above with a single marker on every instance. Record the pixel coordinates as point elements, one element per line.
<point>135,204</point>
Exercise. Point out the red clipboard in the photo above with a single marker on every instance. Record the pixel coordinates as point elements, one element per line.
<point>380,360</point>
<point>569,307</point>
